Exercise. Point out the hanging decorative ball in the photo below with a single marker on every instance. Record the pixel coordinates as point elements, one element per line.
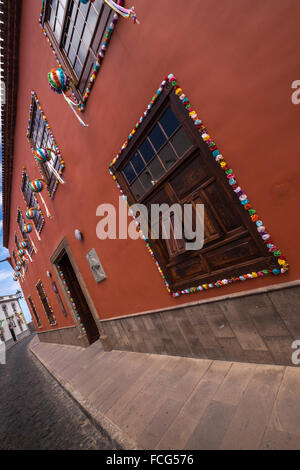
<point>18,268</point>
<point>23,244</point>
<point>27,228</point>
<point>42,155</point>
<point>59,81</point>
<point>21,252</point>
<point>31,213</point>
<point>36,186</point>
<point>15,278</point>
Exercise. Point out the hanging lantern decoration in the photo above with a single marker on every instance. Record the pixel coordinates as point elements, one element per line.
<point>31,214</point>
<point>18,268</point>
<point>125,12</point>
<point>23,244</point>
<point>15,277</point>
<point>43,155</point>
<point>37,186</point>
<point>27,228</point>
<point>21,252</point>
<point>60,82</point>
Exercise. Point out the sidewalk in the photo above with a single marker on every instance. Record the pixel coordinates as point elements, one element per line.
<point>147,401</point>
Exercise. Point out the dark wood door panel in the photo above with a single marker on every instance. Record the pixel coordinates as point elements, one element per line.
<point>232,254</point>
<point>189,176</point>
<point>81,304</point>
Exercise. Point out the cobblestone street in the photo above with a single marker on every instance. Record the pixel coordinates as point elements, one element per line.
<point>36,413</point>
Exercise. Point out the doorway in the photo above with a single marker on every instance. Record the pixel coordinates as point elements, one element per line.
<point>72,284</point>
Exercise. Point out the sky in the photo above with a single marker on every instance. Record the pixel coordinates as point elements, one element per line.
<point>7,284</point>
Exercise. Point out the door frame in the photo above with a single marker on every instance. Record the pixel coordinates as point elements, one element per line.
<point>62,248</point>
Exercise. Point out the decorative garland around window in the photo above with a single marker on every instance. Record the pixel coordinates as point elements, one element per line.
<point>81,106</point>
<point>272,248</point>
<point>35,100</point>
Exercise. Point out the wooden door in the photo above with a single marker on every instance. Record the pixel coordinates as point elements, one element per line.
<point>74,287</point>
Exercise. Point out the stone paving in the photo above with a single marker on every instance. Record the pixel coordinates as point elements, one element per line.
<point>36,413</point>
<point>166,402</point>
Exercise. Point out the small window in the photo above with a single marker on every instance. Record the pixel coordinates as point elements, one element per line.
<point>4,308</point>
<point>45,303</point>
<point>21,222</point>
<point>31,202</point>
<point>76,31</point>
<point>164,145</point>
<point>39,134</point>
<point>35,314</point>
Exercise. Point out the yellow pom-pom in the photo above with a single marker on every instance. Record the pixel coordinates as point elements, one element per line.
<point>282,262</point>
<point>178,91</point>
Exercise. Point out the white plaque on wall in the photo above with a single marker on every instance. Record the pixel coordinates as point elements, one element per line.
<point>95,265</point>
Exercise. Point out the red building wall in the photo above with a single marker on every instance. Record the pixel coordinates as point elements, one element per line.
<point>236,61</point>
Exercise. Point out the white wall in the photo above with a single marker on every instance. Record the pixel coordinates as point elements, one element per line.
<point>8,301</point>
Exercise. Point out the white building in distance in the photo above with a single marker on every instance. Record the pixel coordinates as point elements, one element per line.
<point>10,309</point>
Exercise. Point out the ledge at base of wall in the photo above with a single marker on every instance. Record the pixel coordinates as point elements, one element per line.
<point>257,327</point>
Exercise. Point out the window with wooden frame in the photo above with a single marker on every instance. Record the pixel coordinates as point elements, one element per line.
<point>4,308</point>
<point>35,314</point>
<point>40,135</point>
<point>76,32</point>
<point>31,201</point>
<point>20,222</point>
<point>168,162</point>
<point>44,299</point>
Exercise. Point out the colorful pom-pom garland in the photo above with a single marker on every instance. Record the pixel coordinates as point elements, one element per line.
<point>35,103</point>
<point>107,37</point>
<point>218,157</point>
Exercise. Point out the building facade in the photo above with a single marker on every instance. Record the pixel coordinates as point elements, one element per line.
<point>10,311</point>
<point>192,105</point>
